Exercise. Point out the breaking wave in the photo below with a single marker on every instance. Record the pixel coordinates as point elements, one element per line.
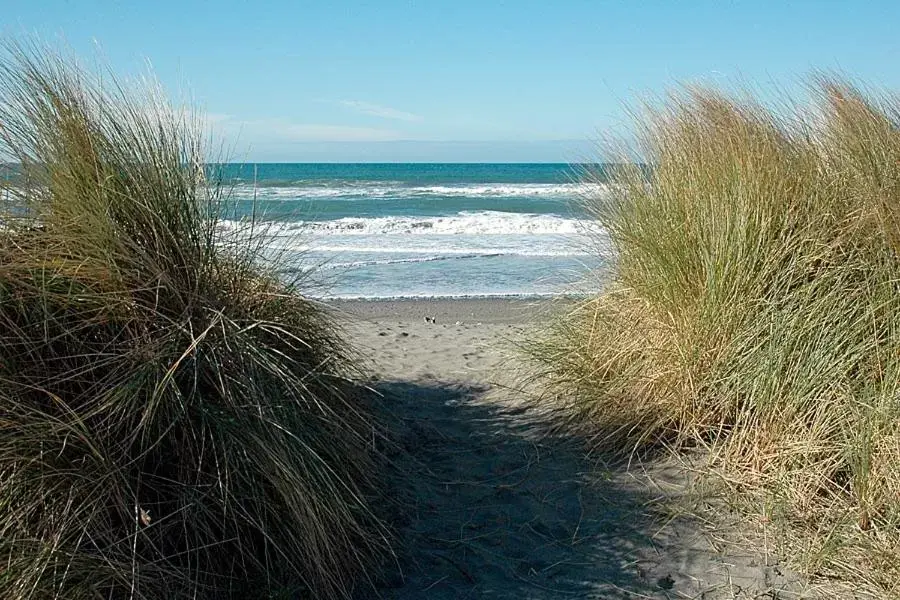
<point>381,189</point>
<point>467,223</point>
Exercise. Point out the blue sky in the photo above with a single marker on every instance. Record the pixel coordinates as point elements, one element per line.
<point>462,80</point>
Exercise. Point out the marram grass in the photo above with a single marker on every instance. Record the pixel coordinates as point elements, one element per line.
<point>754,311</point>
<point>175,421</point>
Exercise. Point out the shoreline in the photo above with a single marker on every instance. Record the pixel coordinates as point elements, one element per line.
<point>495,310</point>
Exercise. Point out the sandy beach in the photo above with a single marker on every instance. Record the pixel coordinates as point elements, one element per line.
<point>441,340</point>
<point>488,504</point>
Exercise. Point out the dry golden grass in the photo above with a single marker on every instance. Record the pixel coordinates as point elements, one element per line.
<point>175,420</point>
<point>754,312</point>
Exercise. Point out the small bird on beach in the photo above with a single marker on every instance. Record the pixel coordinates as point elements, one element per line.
<point>430,320</point>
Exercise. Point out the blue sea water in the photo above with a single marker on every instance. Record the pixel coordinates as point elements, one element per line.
<point>424,230</point>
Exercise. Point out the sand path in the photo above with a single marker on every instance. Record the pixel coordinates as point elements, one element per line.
<point>488,505</point>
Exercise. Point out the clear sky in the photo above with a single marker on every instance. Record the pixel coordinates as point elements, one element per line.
<point>461,80</point>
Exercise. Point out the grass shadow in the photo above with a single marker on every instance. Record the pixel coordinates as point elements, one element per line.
<point>486,504</point>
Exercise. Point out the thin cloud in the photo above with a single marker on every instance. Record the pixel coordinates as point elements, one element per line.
<point>215,118</point>
<point>286,130</point>
<point>311,132</point>
<point>375,110</point>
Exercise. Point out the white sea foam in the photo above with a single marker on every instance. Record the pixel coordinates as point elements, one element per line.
<point>480,295</point>
<point>399,261</point>
<point>468,223</point>
<point>463,250</point>
<point>392,190</point>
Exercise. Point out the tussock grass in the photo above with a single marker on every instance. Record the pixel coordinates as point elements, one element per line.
<point>754,312</point>
<point>175,421</point>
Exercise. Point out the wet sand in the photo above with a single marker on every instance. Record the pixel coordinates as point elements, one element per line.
<point>488,503</point>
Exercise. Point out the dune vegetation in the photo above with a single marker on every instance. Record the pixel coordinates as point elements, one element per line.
<point>175,420</point>
<point>752,316</point>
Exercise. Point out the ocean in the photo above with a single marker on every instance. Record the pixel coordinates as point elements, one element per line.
<point>423,230</point>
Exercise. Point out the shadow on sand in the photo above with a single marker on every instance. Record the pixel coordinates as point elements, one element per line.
<point>487,506</point>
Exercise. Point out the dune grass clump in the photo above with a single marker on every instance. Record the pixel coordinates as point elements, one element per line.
<point>175,420</point>
<point>754,312</point>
